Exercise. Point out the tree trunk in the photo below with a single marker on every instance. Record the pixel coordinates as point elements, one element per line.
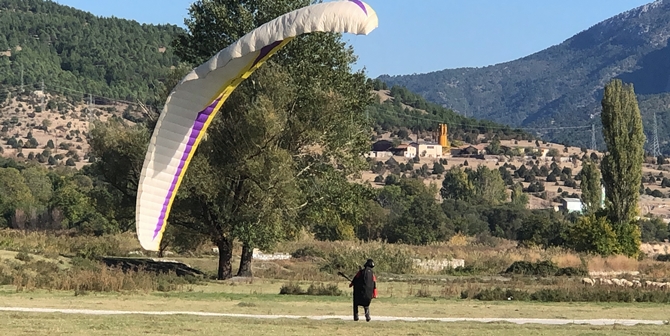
<point>245,261</point>
<point>225,254</point>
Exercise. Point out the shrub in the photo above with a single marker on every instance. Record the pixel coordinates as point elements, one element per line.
<point>314,289</point>
<point>321,289</point>
<point>388,258</point>
<point>308,251</point>
<point>23,256</point>
<point>571,271</point>
<point>291,289</point>
<point>586,294</point>
<point>543,268</point>
<point>593,234</point>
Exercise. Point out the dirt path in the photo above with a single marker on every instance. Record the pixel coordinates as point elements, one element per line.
<point>598,322</point>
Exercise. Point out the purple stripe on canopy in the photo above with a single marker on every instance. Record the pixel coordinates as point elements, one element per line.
<point>265,51</point>
<point>360,4</point>
<point>195,132</point>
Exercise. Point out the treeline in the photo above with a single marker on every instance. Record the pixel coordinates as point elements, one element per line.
<point>475,203</point>
<point>409,110</point>
<point>77,53</point>
<point>33,197</point>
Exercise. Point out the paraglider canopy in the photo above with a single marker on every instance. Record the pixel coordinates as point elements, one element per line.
<point>193,103</point>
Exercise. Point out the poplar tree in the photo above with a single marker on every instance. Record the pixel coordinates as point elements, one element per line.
<point>591,187</point>
<point>622,164</point>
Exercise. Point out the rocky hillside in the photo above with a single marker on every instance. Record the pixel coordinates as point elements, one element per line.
<point>51,130</point>
<point>562,85</point>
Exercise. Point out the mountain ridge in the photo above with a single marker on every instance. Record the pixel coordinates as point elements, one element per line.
<point>561,85</point>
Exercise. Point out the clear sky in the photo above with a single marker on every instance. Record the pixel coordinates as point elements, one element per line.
<point>418,36</point>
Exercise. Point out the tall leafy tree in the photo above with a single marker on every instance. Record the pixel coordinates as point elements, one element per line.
<point>310,108</point>
<point>119,151</point>
<point>457,185</point>
<point>494,147</point>
<point>591,187</point>
<point>489,185</point>
<point>622,164</point>
<point>14,194</point>
<point>417,217</point>
<point>519,198</point>
<point>593,234</point>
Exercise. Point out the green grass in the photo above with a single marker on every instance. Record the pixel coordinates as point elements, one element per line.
<point>262,297</point>
<point>64,324</point>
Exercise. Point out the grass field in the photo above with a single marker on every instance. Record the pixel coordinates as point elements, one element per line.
<point>59,324</point>
<point>35,277</point>
<point>261,298</point>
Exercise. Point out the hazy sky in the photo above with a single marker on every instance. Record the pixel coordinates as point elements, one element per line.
<point>418,36</point>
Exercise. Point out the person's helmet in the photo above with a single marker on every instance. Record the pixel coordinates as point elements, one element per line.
<point>370,263</point>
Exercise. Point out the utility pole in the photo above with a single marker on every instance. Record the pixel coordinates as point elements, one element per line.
<point>594,145</point>
<point>90,106</point>
<point>43,94</point>
<point>656,148</point>
<point>21,78</point>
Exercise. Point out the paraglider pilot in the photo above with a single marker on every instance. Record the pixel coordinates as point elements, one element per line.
<point>365,289</point>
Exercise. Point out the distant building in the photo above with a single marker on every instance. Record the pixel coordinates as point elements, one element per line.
<point>470,151</point>
<point>400,150</point>
<point>427,150</point>
<point>382,146</point>
<point>381,154</point>
<point>410,151</point>
<point>573,205</point>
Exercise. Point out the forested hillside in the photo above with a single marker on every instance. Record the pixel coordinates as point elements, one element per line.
<point>397,107</point>
<point>77,53</point>
<point>563,85</point>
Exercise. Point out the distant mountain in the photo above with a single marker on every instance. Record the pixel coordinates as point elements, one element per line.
<point>563,85</point>
<point>75,52</point>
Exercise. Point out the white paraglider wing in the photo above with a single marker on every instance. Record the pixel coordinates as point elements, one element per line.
<point>194,102</point>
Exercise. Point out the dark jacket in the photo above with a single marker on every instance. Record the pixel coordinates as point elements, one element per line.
<point>365,287</point>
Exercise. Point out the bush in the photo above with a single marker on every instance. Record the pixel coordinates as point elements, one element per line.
<point>320,289</point>
<point>586,294</point>
<point>571,272</point>
<point>23,256</point>
<point>291,289</point>
<point>307,251</point>
<point>96,250</point>
<point>388,258</point>
<point>593,234</point>
<point>543,268</point>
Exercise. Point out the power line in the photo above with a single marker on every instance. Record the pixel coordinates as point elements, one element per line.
<point>91,96</point>
<point>594,145</point>
<point>486,126</point>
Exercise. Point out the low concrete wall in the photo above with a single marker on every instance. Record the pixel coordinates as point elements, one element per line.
<point>275,256</point>
<point>438,264</point>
